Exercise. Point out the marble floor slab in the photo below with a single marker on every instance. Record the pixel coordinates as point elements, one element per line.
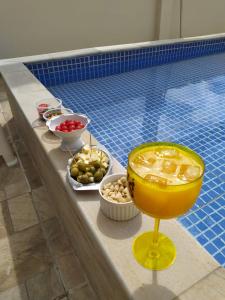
<point>42,203</point>
<point>6,228</point>
<point>15,183</point>
<point>37,260</point>
<point>15,293</point>
<point>71,271</point>
<point>2,195</point>
<point>83,293</point>
<point>22,212</point>
<point>51,286</point>
<point>210,288</point>
<point>59,243</point>
<point>21,255</point>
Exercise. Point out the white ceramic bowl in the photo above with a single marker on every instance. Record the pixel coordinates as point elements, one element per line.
<point>115,210</point>
<point>71,141</point>
<point>48,103</point>
<point>60,111</point>
<point>77,186</point>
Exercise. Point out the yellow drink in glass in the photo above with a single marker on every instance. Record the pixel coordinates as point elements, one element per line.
<point>164,182</point>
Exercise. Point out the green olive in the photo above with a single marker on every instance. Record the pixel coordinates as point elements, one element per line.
<point>83,179</point>
<point>82,166</point>
<point>92,169</point>
<point>98,176</point>
<point>73,165</point>
<point>96,164</point>
<point>103,170</point>
<point>74,171</point>
<point>80,173</point>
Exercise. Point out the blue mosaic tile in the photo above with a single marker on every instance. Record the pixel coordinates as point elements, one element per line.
<point>210,248</point>
<point>202,240</point>
<point>211,228</point>
<point>220,258</point>
<point>209,234</point>
<point>81,68</point>
<point>181,102</point>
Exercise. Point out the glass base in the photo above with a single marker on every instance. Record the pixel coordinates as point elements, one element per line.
<point>154,257</point>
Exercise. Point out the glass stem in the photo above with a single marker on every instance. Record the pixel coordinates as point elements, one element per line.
<point>156,231</point>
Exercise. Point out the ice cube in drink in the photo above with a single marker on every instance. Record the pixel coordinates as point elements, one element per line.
<point>169,166</point>
<point>168,153</point>
<point>156,179</point>
<point>189,172</point>
<point>144,161</point>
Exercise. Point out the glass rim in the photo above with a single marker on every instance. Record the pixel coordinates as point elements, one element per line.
<point>179,146</point>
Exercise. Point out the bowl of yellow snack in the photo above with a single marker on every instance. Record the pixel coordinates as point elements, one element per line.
<point>115,200</point>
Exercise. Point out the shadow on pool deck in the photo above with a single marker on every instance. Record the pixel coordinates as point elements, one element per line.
<point>110,228</point>
<point>156,291</point>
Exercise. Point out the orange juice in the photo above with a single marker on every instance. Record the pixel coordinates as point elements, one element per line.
<point>164,178</point>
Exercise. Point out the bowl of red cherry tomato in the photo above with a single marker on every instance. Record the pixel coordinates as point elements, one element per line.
<point>69,125</point>
<point>69,128</point>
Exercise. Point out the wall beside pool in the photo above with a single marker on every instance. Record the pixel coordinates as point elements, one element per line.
<point>37,27</point>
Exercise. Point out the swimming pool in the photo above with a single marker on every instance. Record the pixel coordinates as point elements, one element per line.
<point>182,102</point>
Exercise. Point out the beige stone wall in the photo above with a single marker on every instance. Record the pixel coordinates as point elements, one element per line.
<point>202,17</point>
<point>29,27</point>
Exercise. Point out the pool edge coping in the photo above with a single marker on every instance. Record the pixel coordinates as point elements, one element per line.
<point>104,49</point>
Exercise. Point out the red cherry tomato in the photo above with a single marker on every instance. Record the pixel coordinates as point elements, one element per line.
<point>69,122</point>
<point>74,122</point>
<point>43,105</point>
<point>80,126</point>
<point>72,127</point>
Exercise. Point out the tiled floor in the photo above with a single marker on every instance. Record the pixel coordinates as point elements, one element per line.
<point>181,102</point>
<point>37,261</point>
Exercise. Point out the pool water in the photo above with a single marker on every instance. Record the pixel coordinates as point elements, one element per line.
<point>182,102</point>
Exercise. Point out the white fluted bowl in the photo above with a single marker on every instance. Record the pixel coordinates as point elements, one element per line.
<point>115,210</point>
<point>71,141</point>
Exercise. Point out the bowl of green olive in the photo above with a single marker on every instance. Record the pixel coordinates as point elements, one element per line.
<point>86,169</point>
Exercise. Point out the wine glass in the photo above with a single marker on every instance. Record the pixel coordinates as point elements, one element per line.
<point>164,181</point>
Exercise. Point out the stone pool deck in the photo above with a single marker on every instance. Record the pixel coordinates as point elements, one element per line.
<point>37,260</point>
<point>104,246</point>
